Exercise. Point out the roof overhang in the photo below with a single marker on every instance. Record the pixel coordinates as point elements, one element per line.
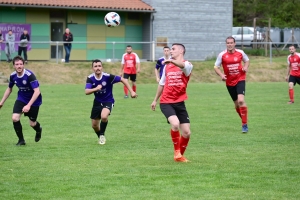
<point>78,8</point>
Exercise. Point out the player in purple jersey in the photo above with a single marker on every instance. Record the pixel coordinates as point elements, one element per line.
<point>101,84</point>
<point>28,101</point>
<point>160,64</point>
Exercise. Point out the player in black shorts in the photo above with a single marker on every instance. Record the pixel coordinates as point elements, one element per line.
<point>293,71</point>
<point>100,84</point>
<point>28,101</point>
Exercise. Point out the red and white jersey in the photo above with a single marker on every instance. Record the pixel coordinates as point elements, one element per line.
<point>175,80</point>
<point>129,61</point>
<point>294,62</point>
<point>232,65</point>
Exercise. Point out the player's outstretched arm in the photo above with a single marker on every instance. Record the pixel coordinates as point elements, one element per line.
<point>158,94</point>
<point>5,96</point>
<point>132,93</point>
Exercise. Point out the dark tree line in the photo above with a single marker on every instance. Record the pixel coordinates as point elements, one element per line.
<point>283,13</point>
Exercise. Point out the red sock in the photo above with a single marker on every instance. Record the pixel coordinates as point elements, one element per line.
<point>125,91</point>
<point>244,114</point>
<point>238,111</point>
<point>183,144</point>
<point>291,92</point>
<point>134,88</point>
<point>175,135</point>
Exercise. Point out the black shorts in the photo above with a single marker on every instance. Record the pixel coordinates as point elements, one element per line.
<point>239,88</point>
<point>131,76</point>
<point>294,79</point>
<point>178,109</point>
<point>32,113</point>
<point>97,109</point>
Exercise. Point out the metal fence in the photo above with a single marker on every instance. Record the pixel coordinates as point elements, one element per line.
<point>153,50</point>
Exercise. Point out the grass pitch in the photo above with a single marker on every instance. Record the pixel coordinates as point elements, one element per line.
<point>137,160</point>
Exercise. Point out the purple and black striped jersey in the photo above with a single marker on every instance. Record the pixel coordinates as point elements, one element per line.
<point>26,83</point>
<point>107,81</point>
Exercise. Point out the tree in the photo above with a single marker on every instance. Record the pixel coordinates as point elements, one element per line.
<point>284,13</point>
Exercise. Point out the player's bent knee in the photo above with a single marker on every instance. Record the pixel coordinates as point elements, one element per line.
<point>104,118</point>
<point>175,126</point>
<point>15,118</point>
<point>186,134</point>
<point>241,103</point>
<point>95,126</point>
<point>32,123</point>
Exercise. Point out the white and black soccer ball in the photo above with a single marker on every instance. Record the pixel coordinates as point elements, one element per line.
<point>62,60</point>
<point>112,19</point>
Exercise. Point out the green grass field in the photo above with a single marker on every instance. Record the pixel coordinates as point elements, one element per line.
<point>137,160</point>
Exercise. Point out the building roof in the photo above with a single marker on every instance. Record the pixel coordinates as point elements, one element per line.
<point>112,5</point>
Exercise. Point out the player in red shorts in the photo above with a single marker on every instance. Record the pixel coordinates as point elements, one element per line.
<point>235,76</point>
<point>293,71</point>
<point>172,93</point>
<point>130,67</point>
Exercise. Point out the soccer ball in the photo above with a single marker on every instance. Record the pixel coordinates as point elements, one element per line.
<point>112,19</point>
<point>62,60</point>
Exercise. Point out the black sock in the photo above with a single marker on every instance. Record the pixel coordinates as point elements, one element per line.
<point>37,127</point>
<point>18,130</point>
<point>103,127</point>
<point>98,133</point>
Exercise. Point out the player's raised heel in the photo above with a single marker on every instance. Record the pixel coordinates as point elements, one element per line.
<point>245,128</point>
<point>38,136</point>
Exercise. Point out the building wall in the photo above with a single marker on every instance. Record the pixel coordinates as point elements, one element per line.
<point>202,25</point>
<point>87,27</point>
<point>40,29</point>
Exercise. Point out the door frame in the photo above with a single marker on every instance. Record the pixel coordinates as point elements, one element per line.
<point>57,20</point>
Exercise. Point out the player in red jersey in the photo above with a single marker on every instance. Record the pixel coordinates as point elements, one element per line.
<point>130,67</point>
<point>172,93</point>
<point>235,76</point>
<point>293,71</point>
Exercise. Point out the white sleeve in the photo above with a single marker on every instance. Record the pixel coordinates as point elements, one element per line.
<point>288,62</point>
<point>187,68</point>
<point>137,59</point>
<point>219,60</point>
<point>163,77</point>
<point>123,61</point>
<point>245,57</point>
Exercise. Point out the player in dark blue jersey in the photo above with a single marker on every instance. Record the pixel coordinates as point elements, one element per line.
<point>101,84</point>
<point>28,101</point>
<point>160,64</point>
